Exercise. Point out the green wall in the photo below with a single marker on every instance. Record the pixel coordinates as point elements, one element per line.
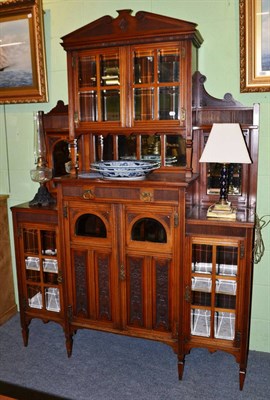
<point>218,22</point>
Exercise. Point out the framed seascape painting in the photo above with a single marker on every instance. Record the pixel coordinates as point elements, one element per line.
<point>23,77</point>
<point>254,45</point>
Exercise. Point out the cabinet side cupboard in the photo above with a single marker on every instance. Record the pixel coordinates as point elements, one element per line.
<point>140,257</point>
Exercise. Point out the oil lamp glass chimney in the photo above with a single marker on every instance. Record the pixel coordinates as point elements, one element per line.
<point>41,173</point>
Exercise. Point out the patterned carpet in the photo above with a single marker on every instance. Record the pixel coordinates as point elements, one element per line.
<point>104,366</point>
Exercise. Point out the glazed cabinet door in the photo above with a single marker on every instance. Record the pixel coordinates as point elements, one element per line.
<point>90,255</point>
<point>213,292</point>
<point>97,87</point>
<point>41,270</point>
<point>130,85</point>
<point>158,84</point>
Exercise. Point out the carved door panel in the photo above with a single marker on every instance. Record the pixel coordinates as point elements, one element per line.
<point>148,292</point>
<point>150,269</point>
<point>93,294</point>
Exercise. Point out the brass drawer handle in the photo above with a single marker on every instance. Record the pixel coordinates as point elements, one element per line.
<point>89,194</point>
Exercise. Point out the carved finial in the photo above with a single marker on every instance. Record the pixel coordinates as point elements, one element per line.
<point>123,15</point>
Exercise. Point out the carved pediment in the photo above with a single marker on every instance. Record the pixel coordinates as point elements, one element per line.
<point>125,29</point>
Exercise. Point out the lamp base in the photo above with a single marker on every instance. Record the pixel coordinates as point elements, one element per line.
<point>42,198</point>
<point>222,211</point>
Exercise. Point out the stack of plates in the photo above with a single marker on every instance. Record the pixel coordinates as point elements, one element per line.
<point>134,170</point>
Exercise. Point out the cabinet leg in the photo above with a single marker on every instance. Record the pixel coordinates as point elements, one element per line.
<point>242,375</point>
<point>181,364</point>
<point>69,343</point>
<point>25,335</point>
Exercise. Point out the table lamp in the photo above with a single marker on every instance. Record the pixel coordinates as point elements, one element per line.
<point>225,145</point>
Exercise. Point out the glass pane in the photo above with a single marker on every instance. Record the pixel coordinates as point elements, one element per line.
<point>200,322</point>
<point>30,241</point>
<point>32,263</point>
<point>150,147</point>
<point>127,147</point>
<point>224,325</point>
<point>87,71</point>
<point>202,258</point>
<point>227,258</point>
<point>234,178</point>
<point>88,106</point>
<point>169,103</point>
<point>144,66</point>
<point>225,301</point>
<point>201,298</point>
<point>168,65</point>
<point>48,242</point>
<point>144,104</point>
<point>175,151</point>
<point>52,299</point>
<point>150,230</point>
<point>60,158</point>
<point>34,297</point>
<point>201,284</point>
<point>110,105</point>
<point>226,286</point>
<point>109,70</point>
<point>103,147</point>
<point>32,275</point>
<point>50,265</point>
<point>51,278</point>
<point>90,225</point>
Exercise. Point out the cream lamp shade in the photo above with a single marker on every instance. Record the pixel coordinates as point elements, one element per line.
<point>226,145</point>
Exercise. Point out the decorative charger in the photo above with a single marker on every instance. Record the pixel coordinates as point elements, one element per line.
<point>121,170</point>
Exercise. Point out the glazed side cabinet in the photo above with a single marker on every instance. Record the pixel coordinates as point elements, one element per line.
<point>217,286</point>
<point>39,267</point>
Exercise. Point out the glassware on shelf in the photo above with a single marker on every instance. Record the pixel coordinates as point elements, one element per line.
<point>36,300</point>
<point>32,263</point>
<point>202,267</point>
<point>200,322</point>
<point>50,265</point>
<point>224,325</point>
<point>201,284</point>
<point>52,299</point>
<point>225,286</point>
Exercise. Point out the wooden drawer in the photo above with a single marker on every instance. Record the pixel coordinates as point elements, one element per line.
<point>121,193</point>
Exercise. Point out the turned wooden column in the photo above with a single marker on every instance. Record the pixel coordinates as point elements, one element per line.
<point>7,299</point>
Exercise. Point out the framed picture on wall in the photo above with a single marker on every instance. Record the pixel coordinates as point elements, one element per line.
<point>254,45</point>
<point>23,77</point>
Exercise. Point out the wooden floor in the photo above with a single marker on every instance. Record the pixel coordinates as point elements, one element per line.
<point>6,398</point>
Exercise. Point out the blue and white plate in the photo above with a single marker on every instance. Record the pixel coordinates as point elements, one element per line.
<point>124,169</point>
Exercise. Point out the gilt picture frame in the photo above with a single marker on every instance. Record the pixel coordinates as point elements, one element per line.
<point>254,20</point>
<point>23,75</point>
